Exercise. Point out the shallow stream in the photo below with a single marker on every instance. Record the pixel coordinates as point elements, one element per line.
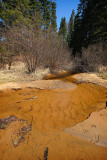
<point>49,112</point>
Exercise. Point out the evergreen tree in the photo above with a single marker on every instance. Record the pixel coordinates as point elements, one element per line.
<point>71,28</point>
<point>96,27</point>
<point>35,5</point>
<point>14,11</point>
<point>46,12</point>
<point>77,36</point>
<point>53,16</point>
<point>63,28</point>
<point>21,5</point>
<point>90,24</point>
<point>1,8</point>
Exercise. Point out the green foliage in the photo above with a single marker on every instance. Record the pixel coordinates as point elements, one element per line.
<point>1,8</point>
<point>71,29</point>
<point>90,24</point>
<point>53,16</point>
<point>14,11</point>
<point>63,28</point>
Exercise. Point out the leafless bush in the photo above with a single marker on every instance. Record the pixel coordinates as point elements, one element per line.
<point>9,46</point>
<point>2,55</point>
<point>23,39</point>
<point>56,52</point>
<point>31,47</point>
<point>38,48</point>
<point>91,59</point>
<point>2,49</point>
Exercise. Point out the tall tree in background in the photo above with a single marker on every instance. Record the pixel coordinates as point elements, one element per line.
<point>53,16</point>
<point>77,34</point>
<point>34,6</point>
<point>95,29</point>
<point>1,8</point>
<point>90,24</point>
<point>63,28</point>
<point>46,12</point>
<point>71,29</point>
<point>13,12</point>
<point>1,11</point>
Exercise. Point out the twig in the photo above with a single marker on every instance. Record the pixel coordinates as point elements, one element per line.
<point>28,99</point>
<point>46,153</point>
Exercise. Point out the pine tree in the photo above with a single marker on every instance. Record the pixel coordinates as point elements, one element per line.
<point>1,8</point>
<point>77,36</point>
<point>46,12</point>
<point>63,28</point>
<point>90,24</point>
<point>14,11</point>
<point>53,16</point>
<point>71,28</point>
<point>96,27</point>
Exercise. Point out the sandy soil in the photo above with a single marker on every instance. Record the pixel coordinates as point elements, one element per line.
<point>49,114</point>
<point>93,129</point>
<point>40,84</point>
<point>51,107</point>
<point>91,78</point>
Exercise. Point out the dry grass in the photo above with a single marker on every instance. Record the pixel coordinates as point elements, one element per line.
<point>18,73</point>
<point>103,75</point>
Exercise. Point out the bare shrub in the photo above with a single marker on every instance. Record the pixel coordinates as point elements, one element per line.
<point>56,52</point>
<point>2,54</point>
<point>9,46</point>
<point>92,57</point>
<point>91,60</point>
<point>76,66</point>
<point>2,49</point>
<point>31,48</point>
<point>38,48</point>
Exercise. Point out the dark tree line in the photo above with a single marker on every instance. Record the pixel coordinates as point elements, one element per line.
<point>88,26</point>
<point>63,28</point>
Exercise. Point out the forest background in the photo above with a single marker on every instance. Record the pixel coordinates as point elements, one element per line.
<point>29,29</point>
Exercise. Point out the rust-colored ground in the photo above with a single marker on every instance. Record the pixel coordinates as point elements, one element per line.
<point>49,114</point>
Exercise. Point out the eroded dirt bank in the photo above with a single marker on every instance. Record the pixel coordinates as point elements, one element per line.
<point>49,112</point>
<point>94,129</point>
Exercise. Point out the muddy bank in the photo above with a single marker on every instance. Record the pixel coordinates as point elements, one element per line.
<point>94,129</point>
<point>50,113</point>
<point>40,84</point>
<point>57,81</point>
<point>90,78</point>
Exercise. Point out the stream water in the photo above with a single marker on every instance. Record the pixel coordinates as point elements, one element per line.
<point>49,113</point>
